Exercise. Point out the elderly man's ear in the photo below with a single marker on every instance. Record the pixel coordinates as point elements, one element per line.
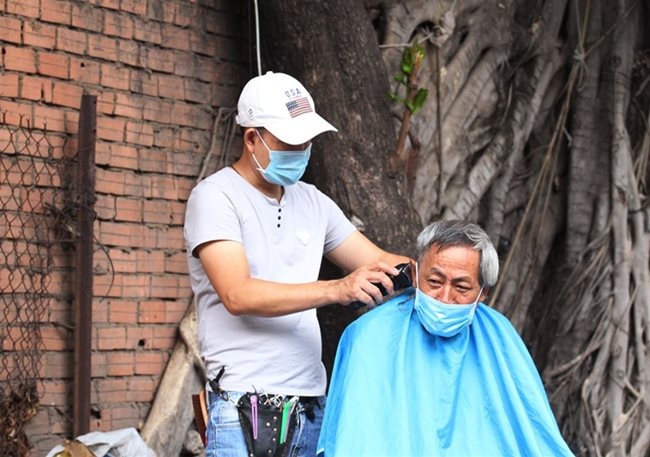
<point>484,294</point>
<point>413,272</point>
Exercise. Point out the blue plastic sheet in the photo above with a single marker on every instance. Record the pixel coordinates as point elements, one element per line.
<point>397,390</point>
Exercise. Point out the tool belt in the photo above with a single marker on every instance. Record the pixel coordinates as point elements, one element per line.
<point>268,421</point>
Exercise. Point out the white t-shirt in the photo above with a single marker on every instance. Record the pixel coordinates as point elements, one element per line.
<point>284,242</point>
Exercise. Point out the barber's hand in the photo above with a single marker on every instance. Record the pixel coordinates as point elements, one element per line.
<point>358,286</point>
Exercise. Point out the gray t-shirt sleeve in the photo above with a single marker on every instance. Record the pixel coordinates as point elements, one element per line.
<point>210,216</point>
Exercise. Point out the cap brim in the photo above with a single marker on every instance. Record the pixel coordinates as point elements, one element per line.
<point>300,129</point>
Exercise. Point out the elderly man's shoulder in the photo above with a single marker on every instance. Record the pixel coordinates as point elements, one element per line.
<point>395,310</point>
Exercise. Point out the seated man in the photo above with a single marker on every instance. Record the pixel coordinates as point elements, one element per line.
<point>434,372</point>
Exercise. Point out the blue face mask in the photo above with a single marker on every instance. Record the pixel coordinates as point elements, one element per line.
<point>285,167</point>
<point>440,318</point>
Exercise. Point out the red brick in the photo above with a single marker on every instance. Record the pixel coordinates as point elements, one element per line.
<point>106,103</point>
<point>84,71</point>
<point>98,363</point>
<point>130,53</point>
<point>148,261</point>
<point>72,121</point>
<point>123,312</point>
<point>196,91</point>
<point>150,363</point>
<point>147,31</point>
<point>165,337</point>
<point>137,7</point>
<point>71,41</point>
<point>100,309</point>
<point>51,118</point>
<point>139,337</point>
<point>121,363</point>
<point>130,416</point>
<point>176,311</point>
<point>161,60</point>
<point>114,77</point>
<point>121,234</point>
<point>186,15</point>
<point>19,59</point>
<point>112,390</point>
<point>118,24</point>
<point>157,212</point>
<point>128,105</point>
<point>56,338</point>
<point>57,11</point>
<point>139,133</point>
<point>57,365</point>
<point>110,128</point>
<point>158,111</point>
<point>66,94</point>
<point>192,115</point>
<point>170,86</point>
<point>187,65</point>
<point>50,64</point>
<point>35,88</point>
<point>128,209</point>
<point>39,34</point>
<point>54,393</point>
<point>142,388</point>
<point>143,83</point>
<point>175,37</point>
<point>176,263</point>
<point>152,312</point>
<point>136,286</point>
<point>89,17</point>
<point>23,8</point>
<point>166,286</point>
<point>109,338</point>
<point>102,47</point>
<point>162,187</point>
<point>155,160</point>
<point>202,45</point>
<point>10,29</point>
<point>110,4</point>
<point>105,206</point>
<point>8,85</point>
<point>122,156</point>
<point>134,185</point>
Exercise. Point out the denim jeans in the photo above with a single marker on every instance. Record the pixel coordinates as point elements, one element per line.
<point>226,437</point>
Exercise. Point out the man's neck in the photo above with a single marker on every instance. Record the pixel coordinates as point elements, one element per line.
<point>256,180</point>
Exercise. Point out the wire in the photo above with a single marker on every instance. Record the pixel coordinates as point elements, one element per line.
<point>257,39</point>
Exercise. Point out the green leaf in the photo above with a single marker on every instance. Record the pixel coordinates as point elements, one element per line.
<point>409,106</point>
<point>420,98</point>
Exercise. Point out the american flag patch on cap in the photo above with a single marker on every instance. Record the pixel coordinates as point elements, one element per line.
<point>299,106</point>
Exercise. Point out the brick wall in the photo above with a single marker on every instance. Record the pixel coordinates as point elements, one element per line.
<point>160,70</point>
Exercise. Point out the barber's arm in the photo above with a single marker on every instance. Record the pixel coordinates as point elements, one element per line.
<point>226,265</point>
<point>368,264</point>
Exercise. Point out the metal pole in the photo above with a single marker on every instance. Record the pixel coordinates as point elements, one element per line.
<point>84,264</point>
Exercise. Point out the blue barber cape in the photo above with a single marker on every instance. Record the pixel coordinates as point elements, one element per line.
<point>397,390</point>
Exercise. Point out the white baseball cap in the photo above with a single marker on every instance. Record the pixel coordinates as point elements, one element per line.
<point>280,104</point>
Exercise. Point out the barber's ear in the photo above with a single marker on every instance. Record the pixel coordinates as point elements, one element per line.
<point>249,137</point>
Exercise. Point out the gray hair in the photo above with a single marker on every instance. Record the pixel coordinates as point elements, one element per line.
<point>443,234</point>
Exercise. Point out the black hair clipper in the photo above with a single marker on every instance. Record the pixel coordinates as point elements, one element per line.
<point>401,280</point>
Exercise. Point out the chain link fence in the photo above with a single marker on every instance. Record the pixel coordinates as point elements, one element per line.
<point>35,236</point>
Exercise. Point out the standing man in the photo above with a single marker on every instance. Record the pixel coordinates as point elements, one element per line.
<point>255,239</point>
